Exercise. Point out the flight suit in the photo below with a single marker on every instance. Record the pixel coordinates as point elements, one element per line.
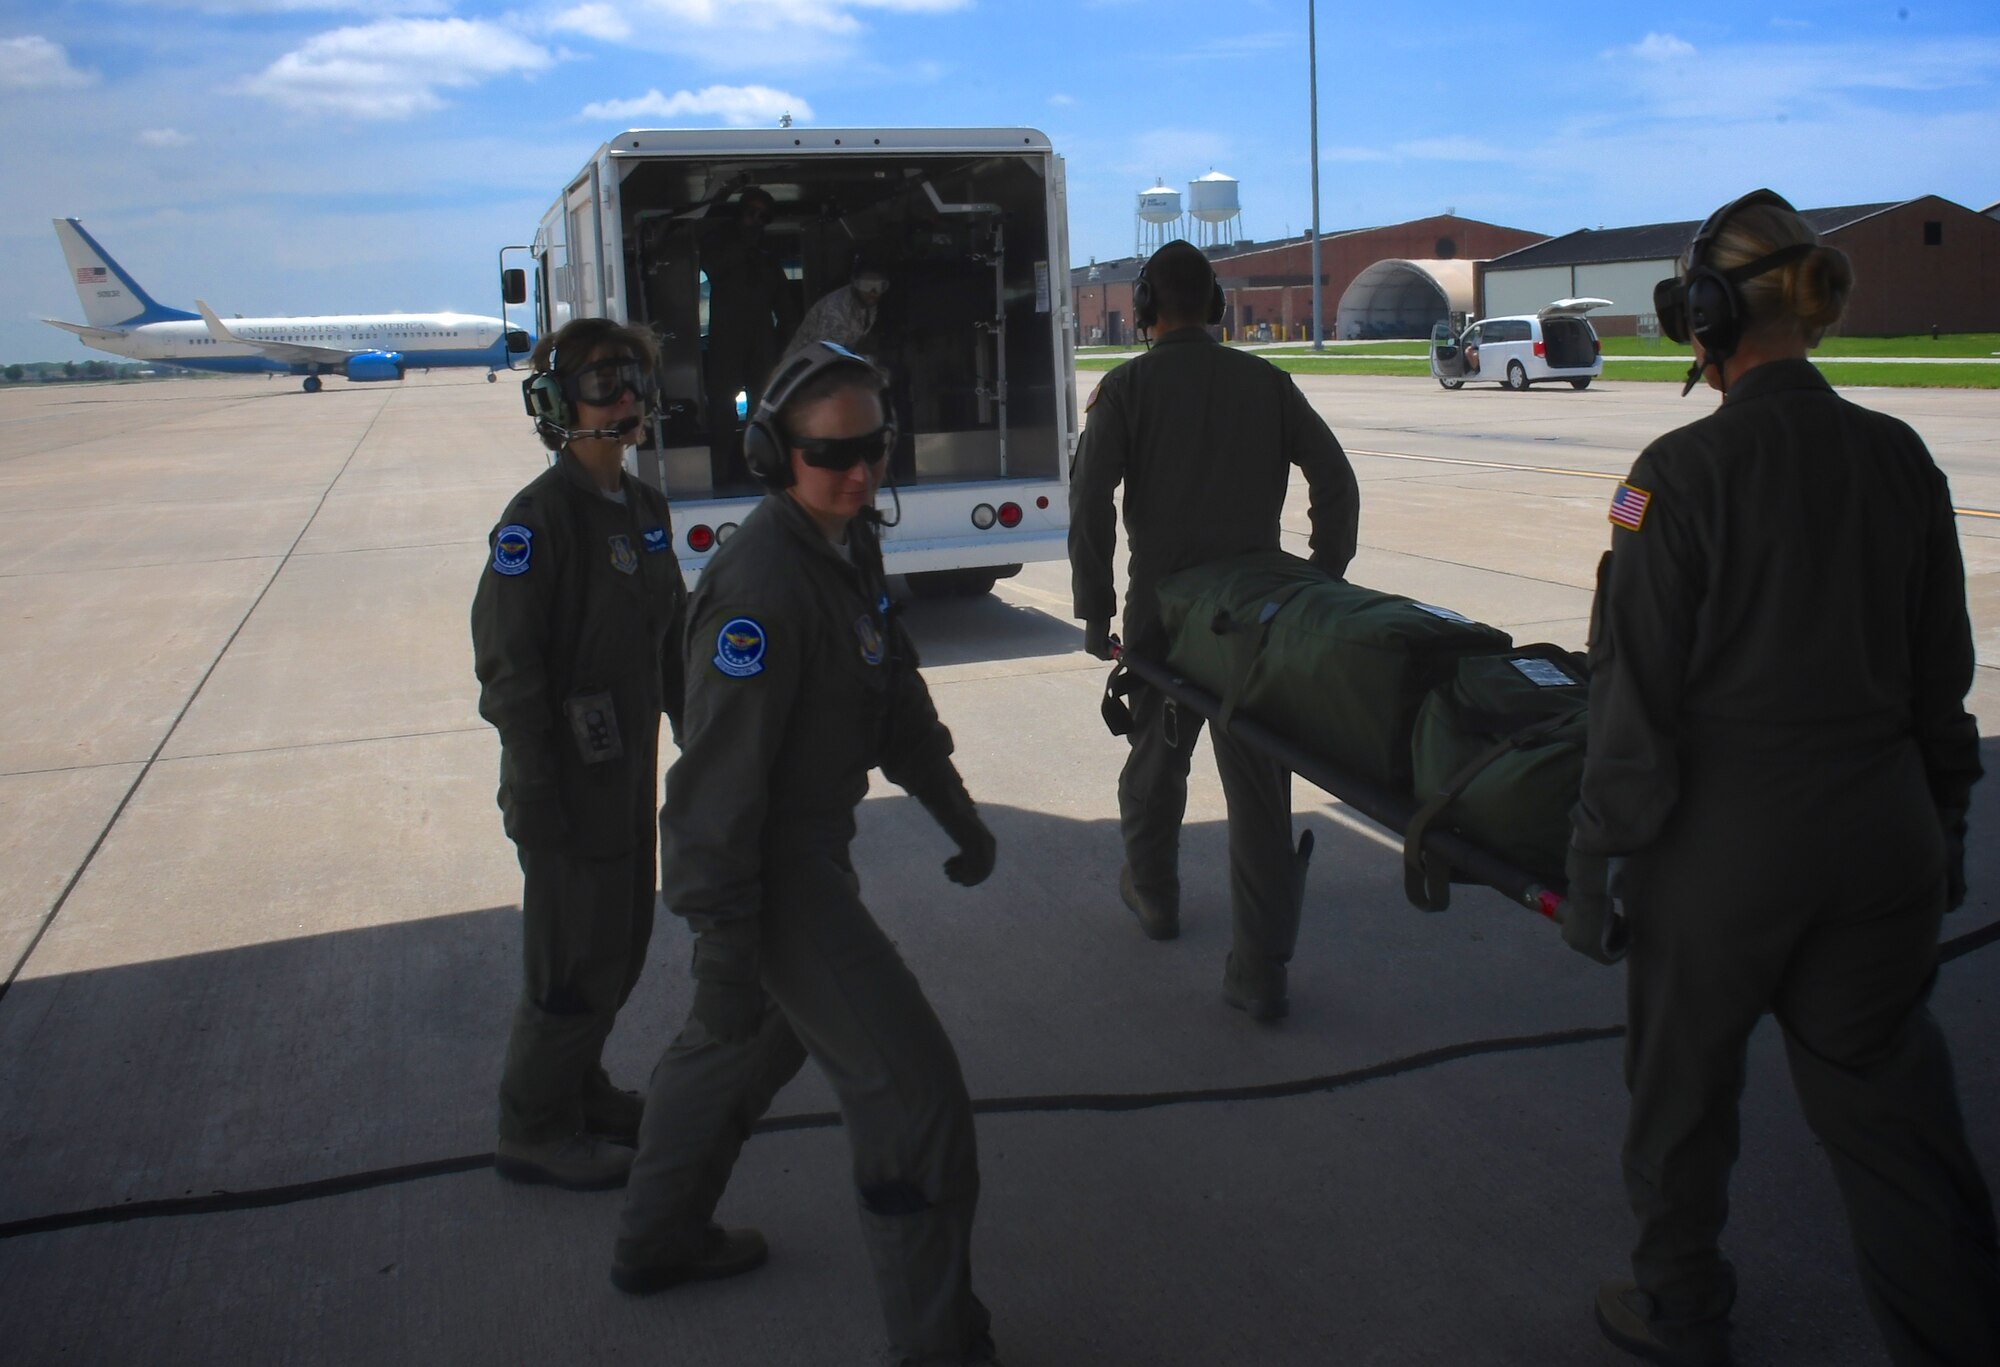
<point>576,632</point>
<point>1778,745</point>
<point>1203,439</point>
<point>799,683</point>
<point>750,313</point>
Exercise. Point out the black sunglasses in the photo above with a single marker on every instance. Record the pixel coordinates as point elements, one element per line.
<point>603,383</point>
<point>844,453</point>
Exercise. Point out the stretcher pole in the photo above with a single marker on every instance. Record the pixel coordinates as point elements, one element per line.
<point>1388,809</point>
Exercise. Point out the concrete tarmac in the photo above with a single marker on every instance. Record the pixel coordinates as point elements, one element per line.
<point>262,931</point>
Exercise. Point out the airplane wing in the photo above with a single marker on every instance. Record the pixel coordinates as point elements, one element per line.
<point>89,334</point>
<point>292,353</point>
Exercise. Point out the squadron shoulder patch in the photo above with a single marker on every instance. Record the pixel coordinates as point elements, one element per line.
<point>513,548</point>
<point>739,648</point>
<point>869,635</point>
<point>623,558</point>
<point>1628,507</point>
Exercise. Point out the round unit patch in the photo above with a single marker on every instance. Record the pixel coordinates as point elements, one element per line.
<point>739,648</point>
<point>512,548</point>
<point>870,637</point>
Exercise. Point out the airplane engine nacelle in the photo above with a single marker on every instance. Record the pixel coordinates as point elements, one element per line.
<point>375,365</point>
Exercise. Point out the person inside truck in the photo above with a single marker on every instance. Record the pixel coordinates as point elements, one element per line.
<point>800,682</point>
<point>576,630</point>
<point>751,309</point>
<point>846,316</point>
<point>1203,438</point>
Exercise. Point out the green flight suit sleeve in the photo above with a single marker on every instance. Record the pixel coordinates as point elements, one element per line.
<point>1335,507</point>
<point>1941,669</point>
<point>513,650</point>
<point>1649,586</point>
<point>1101,454</point>
<point>719,791</point>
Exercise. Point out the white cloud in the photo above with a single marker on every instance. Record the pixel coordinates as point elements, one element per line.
<point>393,68</point>
<point>1062,100</point>
<point>1661,47</point>
<point>739,106</point>
<point>762,35</point>
<point>35,63</point>
<point>403,8</point>
<point>163,137</point>
<point>593,20</point>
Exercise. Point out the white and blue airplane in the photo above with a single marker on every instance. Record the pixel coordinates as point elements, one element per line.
<point>124,320</point>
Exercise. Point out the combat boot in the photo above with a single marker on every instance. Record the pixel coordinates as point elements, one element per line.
<point>1260,995</point>
<point>575,1162</point>
<point>611,1112</point>
<point>724,1253</point>
<point>1159,914</point>
<point>1630,1319</point>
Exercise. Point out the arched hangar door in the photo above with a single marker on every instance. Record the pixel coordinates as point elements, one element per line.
<point>1399,298</point>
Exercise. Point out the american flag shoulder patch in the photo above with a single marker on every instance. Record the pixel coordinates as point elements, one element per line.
<point>1628,507</point>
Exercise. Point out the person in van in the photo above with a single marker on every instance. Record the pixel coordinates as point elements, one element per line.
<point>751,311</point>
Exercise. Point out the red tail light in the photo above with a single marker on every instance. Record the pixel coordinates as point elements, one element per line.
<point>1596,347</point>
<point>1541,348</point>
<point>1010,514</point>
<point>700,539</point>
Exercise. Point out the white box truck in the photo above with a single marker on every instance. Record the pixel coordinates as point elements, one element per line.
<point>970,227</point>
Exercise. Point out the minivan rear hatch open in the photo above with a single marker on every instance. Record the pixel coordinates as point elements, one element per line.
<point>1572,308</point>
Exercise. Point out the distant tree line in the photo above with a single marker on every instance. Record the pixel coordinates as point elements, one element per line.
<point>56,372</point>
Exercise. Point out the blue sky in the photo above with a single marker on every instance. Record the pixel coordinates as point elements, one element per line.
<point>303,156</point>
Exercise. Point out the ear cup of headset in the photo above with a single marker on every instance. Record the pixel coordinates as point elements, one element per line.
<point>765,453</point>
<point>542,395</point>
<point>1143,303</point>
<point>1714,311</point>
<point>1216,304</point>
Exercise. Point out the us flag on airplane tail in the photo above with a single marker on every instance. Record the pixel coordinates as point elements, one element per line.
<point>89,275</point>
<point>1628,506</point>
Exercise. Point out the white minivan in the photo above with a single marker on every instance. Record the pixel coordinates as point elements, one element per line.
<point>1557,343</point>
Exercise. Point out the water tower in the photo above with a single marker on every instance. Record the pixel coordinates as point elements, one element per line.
<point>1158,219</point>
<point>1212,203</point>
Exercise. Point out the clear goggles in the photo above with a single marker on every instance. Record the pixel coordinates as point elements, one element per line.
<point>603,383</point>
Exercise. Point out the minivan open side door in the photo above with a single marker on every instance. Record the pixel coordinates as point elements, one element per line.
<point>1447,357</point>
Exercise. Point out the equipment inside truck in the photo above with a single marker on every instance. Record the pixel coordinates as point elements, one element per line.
<point>964,329</point>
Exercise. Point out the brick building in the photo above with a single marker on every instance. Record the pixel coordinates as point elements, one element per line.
<point>1269,284</point>
<point>1918,264</point>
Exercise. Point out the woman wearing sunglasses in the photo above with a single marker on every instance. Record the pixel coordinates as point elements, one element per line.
<point>1781,760</point>
<point>799,683</point>
<point>576,632</point>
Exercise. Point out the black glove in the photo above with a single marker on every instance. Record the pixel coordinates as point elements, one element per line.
<point>955,813</point>
<point>536,823</point>
<point>728,997</point>
<point>1591,922</point>
<point>1097,637</point>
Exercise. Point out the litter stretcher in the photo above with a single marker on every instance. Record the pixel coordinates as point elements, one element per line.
<point>1466,746</point>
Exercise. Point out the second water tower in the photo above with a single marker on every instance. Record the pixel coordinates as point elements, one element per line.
<point>1214,204</point>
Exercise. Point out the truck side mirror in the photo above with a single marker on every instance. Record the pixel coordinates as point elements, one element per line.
<point>514,286</point>
<point>519,343</point>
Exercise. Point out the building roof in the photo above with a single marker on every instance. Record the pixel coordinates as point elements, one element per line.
<point>1992,210</point>
<point>1127,267</point>
<point>1655,241</point>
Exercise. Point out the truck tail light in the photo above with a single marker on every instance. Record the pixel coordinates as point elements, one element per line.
<point>700,538</point>
<point>1010,514</point>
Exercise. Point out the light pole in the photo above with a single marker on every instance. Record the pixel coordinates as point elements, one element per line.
<point>1312,69</point>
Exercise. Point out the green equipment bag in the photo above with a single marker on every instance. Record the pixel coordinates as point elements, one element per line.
<point>1497,756</point>
<point>1335,668</point>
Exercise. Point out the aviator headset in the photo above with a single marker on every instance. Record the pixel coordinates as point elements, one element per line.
<point>551,398</point>
<point>1146,302</point>
<point>766,447</point>
<point>1701,302</point>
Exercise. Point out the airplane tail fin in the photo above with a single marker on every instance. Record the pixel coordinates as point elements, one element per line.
<point>111,298</point>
